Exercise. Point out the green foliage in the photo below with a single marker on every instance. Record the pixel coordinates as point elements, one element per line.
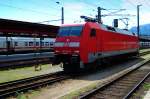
<point>146,86</point>
<point>25,72</point>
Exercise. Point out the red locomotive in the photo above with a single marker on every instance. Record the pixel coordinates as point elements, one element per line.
<point>79,45</point>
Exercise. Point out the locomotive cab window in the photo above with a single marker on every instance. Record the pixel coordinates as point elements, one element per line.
<point>93,33</point>
<point>70,31</point>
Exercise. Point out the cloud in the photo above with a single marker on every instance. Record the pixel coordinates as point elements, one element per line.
<point>73,11</point>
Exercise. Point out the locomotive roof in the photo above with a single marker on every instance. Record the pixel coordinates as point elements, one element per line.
<point>116,30</point>
<point>64,25</point>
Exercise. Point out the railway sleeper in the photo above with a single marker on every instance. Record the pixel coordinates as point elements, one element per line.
<point>129,79</point>
<point>110,91</point>
<point>127,85</point>
<point>118,87</point>
<point>111,94</point>
<point>128,82</point>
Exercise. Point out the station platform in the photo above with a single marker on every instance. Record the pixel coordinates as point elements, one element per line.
<point>26,72</point>
<point>17,57</point>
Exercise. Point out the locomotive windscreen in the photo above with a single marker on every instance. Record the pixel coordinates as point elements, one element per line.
<point>70,31</point>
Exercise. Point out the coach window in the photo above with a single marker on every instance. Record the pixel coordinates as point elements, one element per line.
<point>30,43</point>
<point>46,44</point>
<point>93,33</point>
<point>51,44</point>
<point>37,43</point>
<point>42,43</point>
<point>16,43</point>
<point>26,43</point>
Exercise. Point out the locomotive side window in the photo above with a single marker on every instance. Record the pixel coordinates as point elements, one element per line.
<point>93,33</point>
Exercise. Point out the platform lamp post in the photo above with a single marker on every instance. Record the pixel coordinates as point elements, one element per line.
<point>138,20</point>
<point>62,13</point>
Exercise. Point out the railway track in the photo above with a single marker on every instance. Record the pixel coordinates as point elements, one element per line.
<point>122,87</point>
<point>13,87</point>
<point>23,63</point>
<point>21,60</point>
<point>15,63</point>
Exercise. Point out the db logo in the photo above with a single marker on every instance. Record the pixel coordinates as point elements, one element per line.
<point>68,40</point>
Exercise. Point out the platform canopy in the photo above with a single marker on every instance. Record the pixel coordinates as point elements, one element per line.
<point>20,28</point>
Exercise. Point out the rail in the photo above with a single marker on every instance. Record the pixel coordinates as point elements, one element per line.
<point>122,87</point>
<point>12,87</point>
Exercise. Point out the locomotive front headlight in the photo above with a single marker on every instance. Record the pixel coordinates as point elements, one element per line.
<point>59,44</point>
<point>74,44</point>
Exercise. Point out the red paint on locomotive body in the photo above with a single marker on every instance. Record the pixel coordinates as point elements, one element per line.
<point>95,41</point>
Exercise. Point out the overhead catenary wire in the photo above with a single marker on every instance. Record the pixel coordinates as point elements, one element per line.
<point>25,9</point>
<point>39,4</point>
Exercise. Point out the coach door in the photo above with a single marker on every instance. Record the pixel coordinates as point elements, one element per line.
<point>9,45</point>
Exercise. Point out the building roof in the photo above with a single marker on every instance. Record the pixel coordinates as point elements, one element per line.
<point>18,27</point>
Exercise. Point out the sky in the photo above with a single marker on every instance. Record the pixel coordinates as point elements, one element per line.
<point>41,11</point>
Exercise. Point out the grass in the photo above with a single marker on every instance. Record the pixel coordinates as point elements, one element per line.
<point>74,94</point>
<point>144,50</point>
<point>20,73</point>
<point>146,86</point>
<point>26,96</point>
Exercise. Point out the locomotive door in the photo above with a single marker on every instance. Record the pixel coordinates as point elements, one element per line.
<point>92,56</point>
<point>93,40</point>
